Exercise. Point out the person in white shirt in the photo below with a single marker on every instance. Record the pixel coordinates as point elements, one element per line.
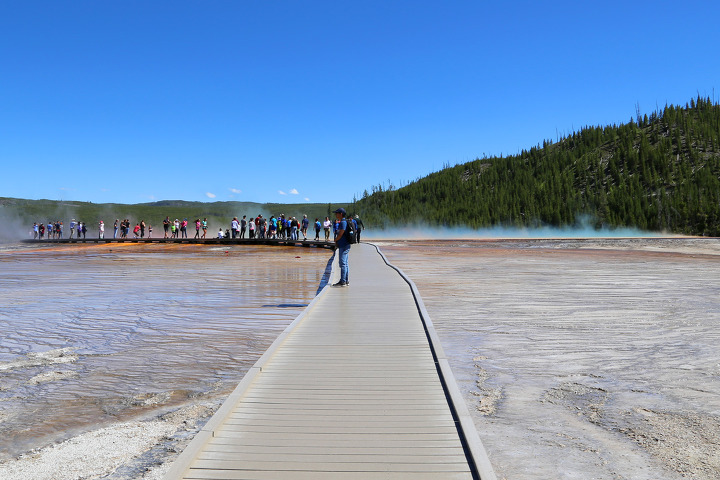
<point>327,225</point>
<point>251,227</point>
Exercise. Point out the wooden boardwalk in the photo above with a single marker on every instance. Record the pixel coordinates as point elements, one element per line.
<point>198,241</point>
<point>357,387</point>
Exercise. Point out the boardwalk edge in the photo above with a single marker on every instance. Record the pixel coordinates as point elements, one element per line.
<point>476,450</point>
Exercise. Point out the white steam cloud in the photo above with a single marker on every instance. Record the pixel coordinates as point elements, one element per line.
<point>13,227</point>
<point>420,232</point>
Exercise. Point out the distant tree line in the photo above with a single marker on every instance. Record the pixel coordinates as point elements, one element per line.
<point>657,173</point>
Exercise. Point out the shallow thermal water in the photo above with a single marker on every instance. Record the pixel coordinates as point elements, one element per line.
<point>581,359</point>
<point>96,335</point>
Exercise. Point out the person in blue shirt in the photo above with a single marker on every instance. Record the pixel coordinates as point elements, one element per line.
<point>318,226</point>
<point>304,226</point>
<point>343,248</point>
<point>273,227</point>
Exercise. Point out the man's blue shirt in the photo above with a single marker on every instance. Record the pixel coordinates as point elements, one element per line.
<point>343,241</point>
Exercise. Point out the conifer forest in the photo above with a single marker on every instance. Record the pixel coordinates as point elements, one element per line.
<point>656,173</point>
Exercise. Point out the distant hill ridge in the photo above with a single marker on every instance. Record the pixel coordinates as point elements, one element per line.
<point>657,173</point>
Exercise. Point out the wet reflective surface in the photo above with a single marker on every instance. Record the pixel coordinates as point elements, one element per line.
<point>578,359</point>
<point>95,335</point>
<point>581,359</point>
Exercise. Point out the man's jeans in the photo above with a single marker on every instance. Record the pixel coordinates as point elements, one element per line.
<point>343,252</point>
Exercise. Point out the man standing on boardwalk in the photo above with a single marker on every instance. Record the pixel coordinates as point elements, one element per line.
<point>358,228</point>
<point>343,247</point>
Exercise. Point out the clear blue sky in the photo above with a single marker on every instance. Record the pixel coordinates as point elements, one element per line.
<point>294,101</point>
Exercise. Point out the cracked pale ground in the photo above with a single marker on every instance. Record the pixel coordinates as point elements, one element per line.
<point>582,358</point>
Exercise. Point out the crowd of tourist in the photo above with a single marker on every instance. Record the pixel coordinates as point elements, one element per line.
<point>282,227</point>
<point>54,230</point>
<point>275,227</point>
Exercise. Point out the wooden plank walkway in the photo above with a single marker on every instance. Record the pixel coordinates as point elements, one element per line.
<point>198,241</point>
<point>356,387</point>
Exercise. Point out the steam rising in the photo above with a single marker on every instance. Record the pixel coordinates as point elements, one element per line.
<point>12,227</point>
<point>583,230</point>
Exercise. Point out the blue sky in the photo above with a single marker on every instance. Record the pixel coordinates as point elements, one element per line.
<point>295,101</point>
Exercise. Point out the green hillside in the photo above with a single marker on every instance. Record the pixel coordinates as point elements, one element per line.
<point>657,173</point>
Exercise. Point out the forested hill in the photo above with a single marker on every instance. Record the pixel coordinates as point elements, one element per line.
<point>658,173</point>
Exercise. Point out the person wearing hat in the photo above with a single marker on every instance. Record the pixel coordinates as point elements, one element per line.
<point>343,247</point>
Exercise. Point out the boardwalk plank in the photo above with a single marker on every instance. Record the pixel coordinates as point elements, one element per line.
<point>361,437</point>
<point>330,458</point>
<point>308,466</point>
<point>325,443</point>
<point>277,451</point>
<point>216,474</point>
